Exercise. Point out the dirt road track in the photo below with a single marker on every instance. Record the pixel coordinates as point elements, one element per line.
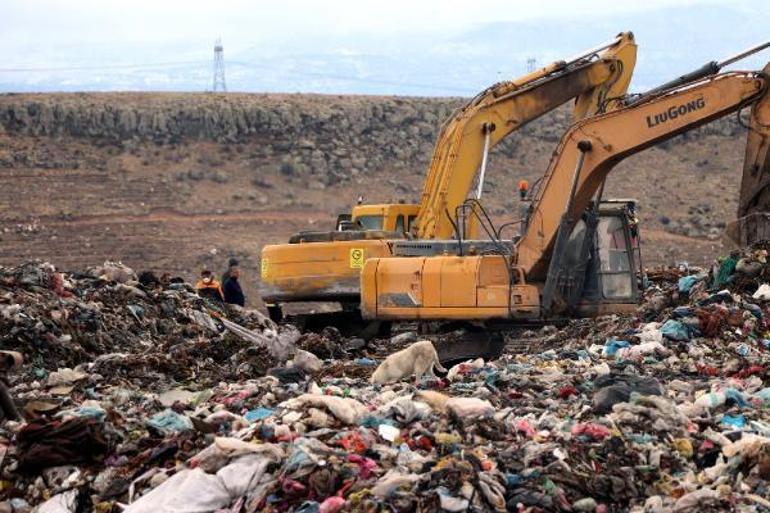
<point>164,216</point>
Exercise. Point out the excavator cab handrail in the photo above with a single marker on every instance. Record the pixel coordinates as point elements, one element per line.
<point>478,212</point>
<point>507,225</point>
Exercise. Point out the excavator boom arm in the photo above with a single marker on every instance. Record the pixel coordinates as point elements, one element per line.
<point>507,106</point>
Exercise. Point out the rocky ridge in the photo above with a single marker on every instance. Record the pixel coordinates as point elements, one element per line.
<point>332,138</point>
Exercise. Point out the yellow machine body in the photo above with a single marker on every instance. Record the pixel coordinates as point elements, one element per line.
<point>487,287</point>
<point>309,269</point>
<point>447,287</point>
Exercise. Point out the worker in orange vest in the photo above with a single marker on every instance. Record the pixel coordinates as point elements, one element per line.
<point>209,288</point>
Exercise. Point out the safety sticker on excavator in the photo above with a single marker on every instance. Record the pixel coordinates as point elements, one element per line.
<point>356,258</point>
<point>263,267</point>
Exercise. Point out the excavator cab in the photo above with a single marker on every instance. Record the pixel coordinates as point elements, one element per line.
<point>390,217</point>
<point>391,220</point>
<point>611,267</point>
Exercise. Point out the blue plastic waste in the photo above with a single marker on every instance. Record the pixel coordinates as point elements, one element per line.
<point>257,414</point>
<point>266,432</point>
<point>675,330</point>
<point>736,396</point>
<point>754,309</point>
<point>686,283</point>
<point>682,311</point>
<point>19,504</point>
<point>549,355</point>
<point>491,379</point>
<point>297,460</point>
<point>309,507</point>
<point>137,311</point>
<point>612,345</point>
<point>92,412</point>
<point>365,362</point>
<point>169,422</point>
<point>736,421</point>
<point>373,421</point>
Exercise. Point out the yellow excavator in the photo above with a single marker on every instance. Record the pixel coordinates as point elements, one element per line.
<point>577,255</point>
<point>325,266</point>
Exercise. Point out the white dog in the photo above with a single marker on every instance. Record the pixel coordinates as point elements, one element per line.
<point>417,359</point>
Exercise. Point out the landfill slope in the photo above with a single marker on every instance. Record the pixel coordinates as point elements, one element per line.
<point>139,396</point>
<point>180,181</point>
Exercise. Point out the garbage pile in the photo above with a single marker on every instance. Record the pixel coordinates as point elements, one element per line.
<point>138,327</point>
<point>665,410</point>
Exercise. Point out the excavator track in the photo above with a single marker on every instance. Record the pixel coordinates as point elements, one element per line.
<point>457,342</point>
<point>348,322</point>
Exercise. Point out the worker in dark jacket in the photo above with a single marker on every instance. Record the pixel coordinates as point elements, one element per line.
<point>208,287</point>
<point>232,288</point>
<point>233,262</point>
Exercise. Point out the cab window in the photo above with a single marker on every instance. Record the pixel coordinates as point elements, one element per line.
<point>617,278</point>
<point>400,224</point>
<point>410,222</point>
<point>373,222</point>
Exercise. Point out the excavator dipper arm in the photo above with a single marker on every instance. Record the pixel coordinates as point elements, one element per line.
<point>753,223</point>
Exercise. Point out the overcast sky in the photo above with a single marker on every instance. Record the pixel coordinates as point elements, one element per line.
<point>40,26</point>
<point>395,46</point>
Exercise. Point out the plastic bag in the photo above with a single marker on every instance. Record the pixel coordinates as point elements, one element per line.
<point>675,330</point>
<point>189,491</point>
